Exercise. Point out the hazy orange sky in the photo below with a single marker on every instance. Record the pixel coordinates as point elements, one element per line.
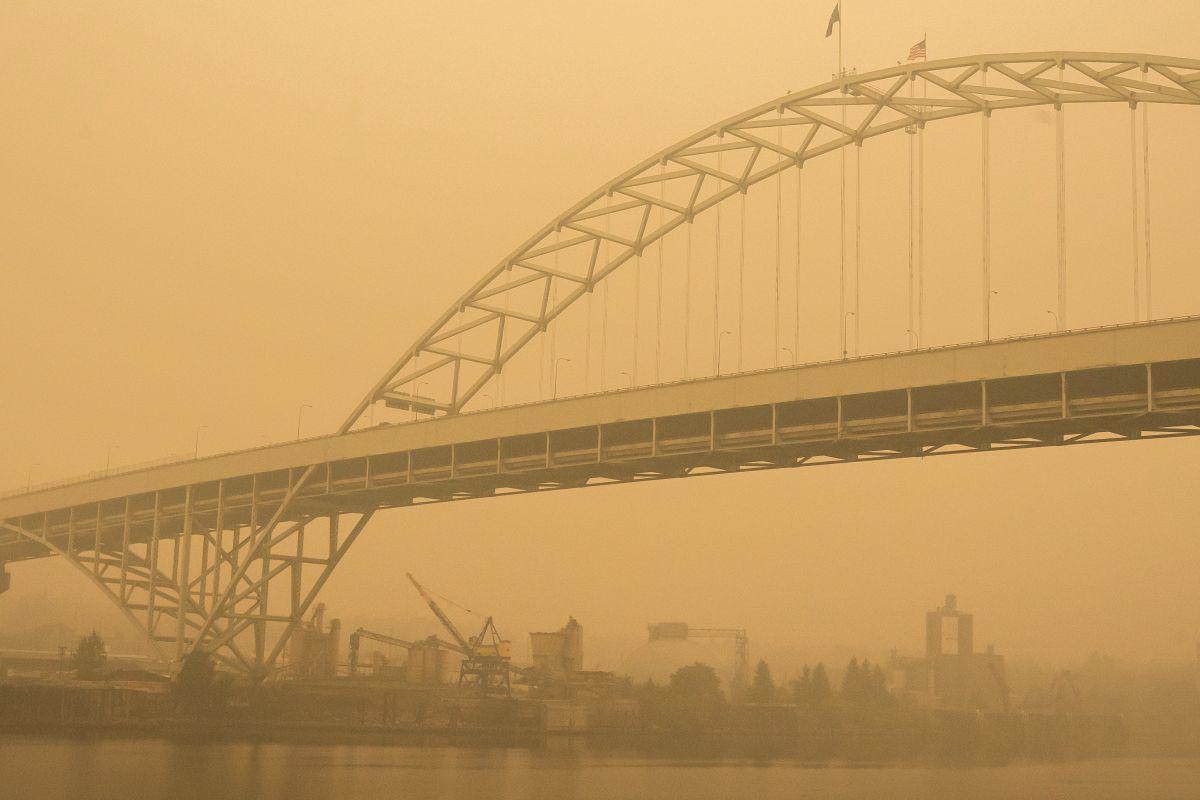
<point>215,213</point>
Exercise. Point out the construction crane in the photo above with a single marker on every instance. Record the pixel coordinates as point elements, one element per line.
<point>487,659</point>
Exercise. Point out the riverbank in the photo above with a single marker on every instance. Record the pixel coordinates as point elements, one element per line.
<point>370,713</point>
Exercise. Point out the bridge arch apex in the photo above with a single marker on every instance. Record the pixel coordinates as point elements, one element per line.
<point>515,301</point>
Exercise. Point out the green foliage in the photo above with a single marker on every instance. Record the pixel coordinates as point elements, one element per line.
<point>89,657</point>
<point>762,689</point>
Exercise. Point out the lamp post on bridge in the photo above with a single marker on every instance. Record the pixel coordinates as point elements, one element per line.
<point>196,449</point>
<point>719,341</point>
<point>29,476</point>
<point>416,392</point>
<point>628,379</point>
<point>1057,324</point>
<point>791,355</point>
<point>847,315</point>
<point>300,417</point>
<point>557,361</point>
<point>108,456</point>
<point>992,293</point>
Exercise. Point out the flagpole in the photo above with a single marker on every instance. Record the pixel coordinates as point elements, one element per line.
<point>840,23</point>
<point>842,205</point>
<point>921,202</point>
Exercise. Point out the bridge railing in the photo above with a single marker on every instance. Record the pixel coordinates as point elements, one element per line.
<point>182,457</point>
<point>100,473</point>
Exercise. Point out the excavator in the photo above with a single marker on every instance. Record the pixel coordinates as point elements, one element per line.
<point>487,664</point>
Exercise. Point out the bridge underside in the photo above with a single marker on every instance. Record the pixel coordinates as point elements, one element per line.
<point>235,562</point>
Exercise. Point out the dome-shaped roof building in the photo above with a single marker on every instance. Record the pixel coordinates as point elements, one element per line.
<point>673,645</point>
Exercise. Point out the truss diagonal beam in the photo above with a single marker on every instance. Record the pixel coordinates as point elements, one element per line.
<point>1090,77</point>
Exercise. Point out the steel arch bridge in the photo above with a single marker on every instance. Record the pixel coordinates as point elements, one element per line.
<point>511,304</point>
<point>228,553</point>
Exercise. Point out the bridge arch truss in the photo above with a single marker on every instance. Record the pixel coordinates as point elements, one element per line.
<point>289,523</point>
<point>515,302</point>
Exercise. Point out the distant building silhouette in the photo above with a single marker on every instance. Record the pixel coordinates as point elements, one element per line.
<point>952,674</point>
<point>313,649</point>
<point>558,655</point>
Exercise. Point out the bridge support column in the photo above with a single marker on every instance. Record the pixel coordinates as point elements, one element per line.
<point>217,599</point>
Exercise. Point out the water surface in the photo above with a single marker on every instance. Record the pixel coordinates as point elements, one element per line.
<point>134,769</point>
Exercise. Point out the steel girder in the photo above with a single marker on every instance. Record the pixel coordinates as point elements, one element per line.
<point>518,298</point>
<point>144,561</point>
<point>190,572</point>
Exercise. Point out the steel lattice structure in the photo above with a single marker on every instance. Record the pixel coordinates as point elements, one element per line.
<point>229,553</point>
<point>472,341</point>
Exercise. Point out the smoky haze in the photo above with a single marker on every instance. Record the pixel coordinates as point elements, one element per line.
<point>219,214</point>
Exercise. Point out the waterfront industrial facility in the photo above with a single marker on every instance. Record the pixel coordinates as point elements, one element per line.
<point>447,681</point>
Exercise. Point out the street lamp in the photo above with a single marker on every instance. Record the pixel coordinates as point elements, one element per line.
<point>992,294</point>
<point>719,341</point>
<point>415,394</point>
<point>300,417</point>
<point>1057,324</point>
<point>914,338</point>
<point>628,379</point>
<point>108,457</point>
<point>845,352</point>
<point>196,449</point>
<point>790,354</point>
<point>490,398</point>
<point>29,476</point>
<point>558,361</point>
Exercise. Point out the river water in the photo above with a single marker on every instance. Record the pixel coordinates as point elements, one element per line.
<point>45,768</point>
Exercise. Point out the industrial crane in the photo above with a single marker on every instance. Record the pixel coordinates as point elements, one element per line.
<point>383,638</point>
<point>487,655</point>
<point>363,633</point>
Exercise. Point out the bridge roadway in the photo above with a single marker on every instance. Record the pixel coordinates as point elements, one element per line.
<point>1118,383</point>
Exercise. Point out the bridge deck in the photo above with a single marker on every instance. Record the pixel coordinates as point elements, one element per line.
<point>1118,383</point>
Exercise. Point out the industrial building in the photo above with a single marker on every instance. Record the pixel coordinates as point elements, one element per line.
<point>558,655</point>
<point>313,650</point>
<point>951,674</point>
<point>431,663</point>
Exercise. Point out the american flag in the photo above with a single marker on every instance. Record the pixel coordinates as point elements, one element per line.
<point>917,51</point>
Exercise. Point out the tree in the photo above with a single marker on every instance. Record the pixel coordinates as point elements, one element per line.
<point>762,690</point>
<point>89,657</point>
<point>802,686</point>
<point>812,689</point>
<point>198,687</point>
<point>821,688</point>
<point>865,685</point>
<point>698,681</point>
<point>690,705</point>
<point>852,681</point>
